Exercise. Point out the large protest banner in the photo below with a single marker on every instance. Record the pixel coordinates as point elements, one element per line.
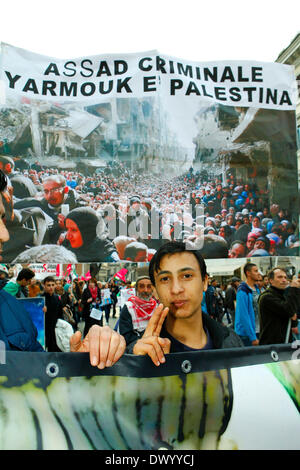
<point>232,399</point>
<point>135,149</point>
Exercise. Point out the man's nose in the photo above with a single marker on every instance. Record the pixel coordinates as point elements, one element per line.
<point>4,235</point>
<point>176,286</point>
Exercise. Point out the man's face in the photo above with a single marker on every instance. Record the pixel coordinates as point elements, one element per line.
<point>4,235</point>
<point>259,245</point>
<point>254,274</point>
<point>49,287</point>
<point>250,243</point>
<point>144,289</point>
<point>25,282</point>
<point>237,251</point>
<point>280,279</point>
<point>179,285</point>
<point>53,192</point>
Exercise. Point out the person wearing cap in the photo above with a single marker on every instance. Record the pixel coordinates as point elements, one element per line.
<point>82,237</point>
<point>137,311</point>
<point>230,298</point>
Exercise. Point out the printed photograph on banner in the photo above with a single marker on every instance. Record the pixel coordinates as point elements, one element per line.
<point>112,173</point>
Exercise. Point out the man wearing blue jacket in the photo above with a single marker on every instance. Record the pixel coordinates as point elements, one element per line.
<point>246,305</point>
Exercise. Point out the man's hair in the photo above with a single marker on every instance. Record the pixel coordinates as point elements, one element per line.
<point>59,179</point>
<point>248,267</point>
<point>132,249</point>
<point>171,248</point>
<point>48,279</point>
<point>3,181</point>
<point>214,247</point>
<point>271,273</point>
<point>46,254</point>
<point>25,273</point>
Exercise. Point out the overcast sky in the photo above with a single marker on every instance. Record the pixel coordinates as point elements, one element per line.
<point>192,29</point>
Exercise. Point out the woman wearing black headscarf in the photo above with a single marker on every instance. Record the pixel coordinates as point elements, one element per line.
<point>82,238</point>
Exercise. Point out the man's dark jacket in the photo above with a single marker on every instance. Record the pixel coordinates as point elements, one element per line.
<point>222,337</point>
<point>276,307</point>
<point>17,330</point>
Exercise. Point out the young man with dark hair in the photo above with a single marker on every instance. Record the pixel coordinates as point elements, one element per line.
<point>179,277</point>
<point>19,288</point>
<point>277,306</point>
<point>246,312</point>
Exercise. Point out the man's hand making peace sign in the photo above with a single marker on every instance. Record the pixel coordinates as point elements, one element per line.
<point>151,343</point>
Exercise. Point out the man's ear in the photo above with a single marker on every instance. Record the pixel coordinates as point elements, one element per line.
<point>205,283</point>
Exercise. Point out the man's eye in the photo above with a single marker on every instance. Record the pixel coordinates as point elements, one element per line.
<point>187,276</point>
<point>164,279</point>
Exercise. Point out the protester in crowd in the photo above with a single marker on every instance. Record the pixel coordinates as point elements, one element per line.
<point>211,300</point>
<point>57,197</point>
<point>246,313</point>
<point>69,303</point>
<point>3,275</point>
<point>19,288</point>
<point>123,197</point>
<point>91,299</point>
<point>278,306</point>
<point>53,311</point>
<point>230,298</point>
<point>35,288</point>
<point>137,311</point>
<point>237,250</point>
<point>106,301</point>
<point>18,332</point>
<point>59,290</point>
<point>114,288</point>
<point>177,324</point>
<point>82,237</point>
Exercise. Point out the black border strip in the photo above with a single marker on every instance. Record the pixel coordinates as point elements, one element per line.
<point>24,366</point>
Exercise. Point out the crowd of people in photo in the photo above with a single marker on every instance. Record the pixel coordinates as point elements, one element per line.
<point>118,213</point>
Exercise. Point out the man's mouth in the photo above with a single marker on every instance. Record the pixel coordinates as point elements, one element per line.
<point>179,303</point>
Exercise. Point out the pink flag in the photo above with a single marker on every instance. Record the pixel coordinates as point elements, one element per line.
<point>121,274</point>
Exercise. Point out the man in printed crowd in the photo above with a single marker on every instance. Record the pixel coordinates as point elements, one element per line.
<point>278,307</point>
<point>246,313</point>
<point>178,324</point>
<point>137,311</point>
<point>17,331</point>
<point>59,199</point>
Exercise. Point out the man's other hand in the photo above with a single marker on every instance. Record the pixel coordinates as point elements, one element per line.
<point>105,345</point>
